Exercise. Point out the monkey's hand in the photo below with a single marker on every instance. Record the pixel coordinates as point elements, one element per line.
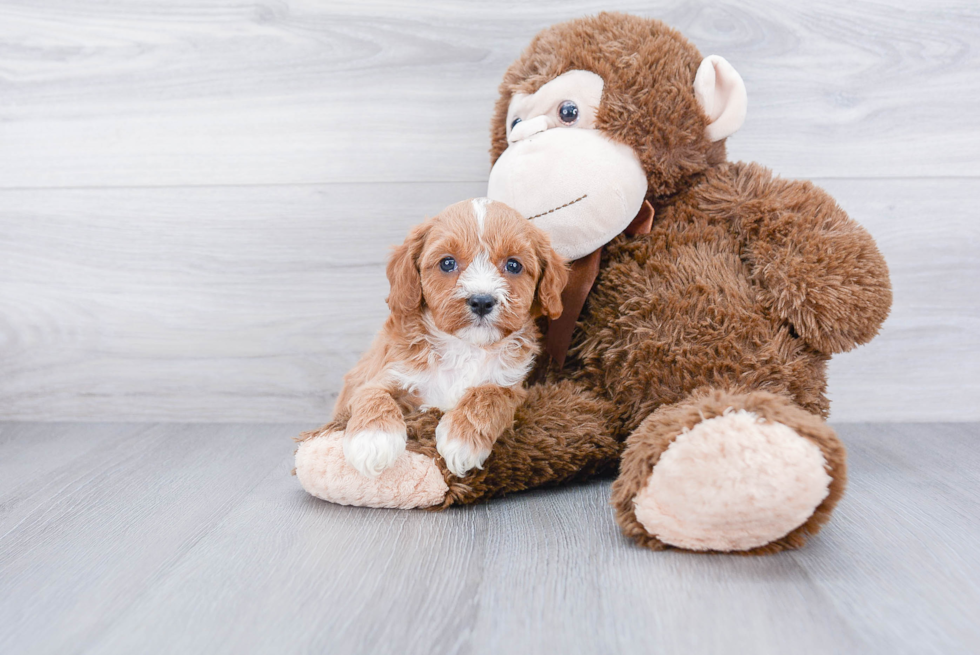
<point>816,268</point>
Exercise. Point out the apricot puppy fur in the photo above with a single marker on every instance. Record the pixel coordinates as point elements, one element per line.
<point>466,288</point>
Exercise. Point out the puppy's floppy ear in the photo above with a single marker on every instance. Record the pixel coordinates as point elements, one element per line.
<point>554,275</point>
<point>403,273</point>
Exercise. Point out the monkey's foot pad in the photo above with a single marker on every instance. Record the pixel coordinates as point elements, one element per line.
<point>734,482</point>
<point>413,481</point>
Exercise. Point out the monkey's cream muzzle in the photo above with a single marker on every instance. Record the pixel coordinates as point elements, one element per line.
<point>578,186</point>
<point>560,172</point>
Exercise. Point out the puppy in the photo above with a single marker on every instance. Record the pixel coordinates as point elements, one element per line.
<point>466,287</point>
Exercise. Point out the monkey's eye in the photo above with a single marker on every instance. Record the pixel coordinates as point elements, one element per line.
<point>568,112</point>
<point>513,266</point>
<point>514,123</point>
<point>447,265</point>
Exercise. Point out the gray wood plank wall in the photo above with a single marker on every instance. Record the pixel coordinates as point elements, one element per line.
<point>196,199</point>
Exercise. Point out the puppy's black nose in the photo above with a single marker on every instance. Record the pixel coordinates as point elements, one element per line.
<point>481,305</point>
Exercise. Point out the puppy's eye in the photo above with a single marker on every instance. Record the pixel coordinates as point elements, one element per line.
<point>568,112</point>
<point>513,266</point>
<point>447,265</point>
<point>514,123</point>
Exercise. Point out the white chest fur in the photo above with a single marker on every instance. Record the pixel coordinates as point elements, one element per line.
<point>456,365</point>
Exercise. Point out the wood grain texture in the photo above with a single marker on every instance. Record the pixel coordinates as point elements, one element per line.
<point>250,303</point>
<point>126,93</point>
<point>196,198</point>
<point>195,539</point>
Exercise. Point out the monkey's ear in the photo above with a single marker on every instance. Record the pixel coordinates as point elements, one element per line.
<point>721,93</point>
<point>404,277</point>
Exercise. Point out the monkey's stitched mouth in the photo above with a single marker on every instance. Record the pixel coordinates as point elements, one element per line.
<point>551,211</point>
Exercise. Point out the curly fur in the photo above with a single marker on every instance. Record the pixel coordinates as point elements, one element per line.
<point>744,287</point>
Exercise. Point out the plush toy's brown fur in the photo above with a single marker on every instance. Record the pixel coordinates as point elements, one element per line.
<point>746,284</point>
<point>736,299</point>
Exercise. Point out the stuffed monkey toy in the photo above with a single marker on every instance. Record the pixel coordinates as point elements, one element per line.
<point>705,300</point>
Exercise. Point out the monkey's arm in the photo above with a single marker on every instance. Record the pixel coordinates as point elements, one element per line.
<point>818,270</point>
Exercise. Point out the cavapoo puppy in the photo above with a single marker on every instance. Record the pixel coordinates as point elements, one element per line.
<point>466,287</point>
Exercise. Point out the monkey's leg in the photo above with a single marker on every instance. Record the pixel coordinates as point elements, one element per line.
<point>560,434</point>
<point>718,471</point>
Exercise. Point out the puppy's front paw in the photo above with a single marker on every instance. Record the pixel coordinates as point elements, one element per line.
<point>459,443</point>
<point>372,451</point>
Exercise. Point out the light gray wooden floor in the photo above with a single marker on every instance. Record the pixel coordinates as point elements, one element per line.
<point>183,538</point>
